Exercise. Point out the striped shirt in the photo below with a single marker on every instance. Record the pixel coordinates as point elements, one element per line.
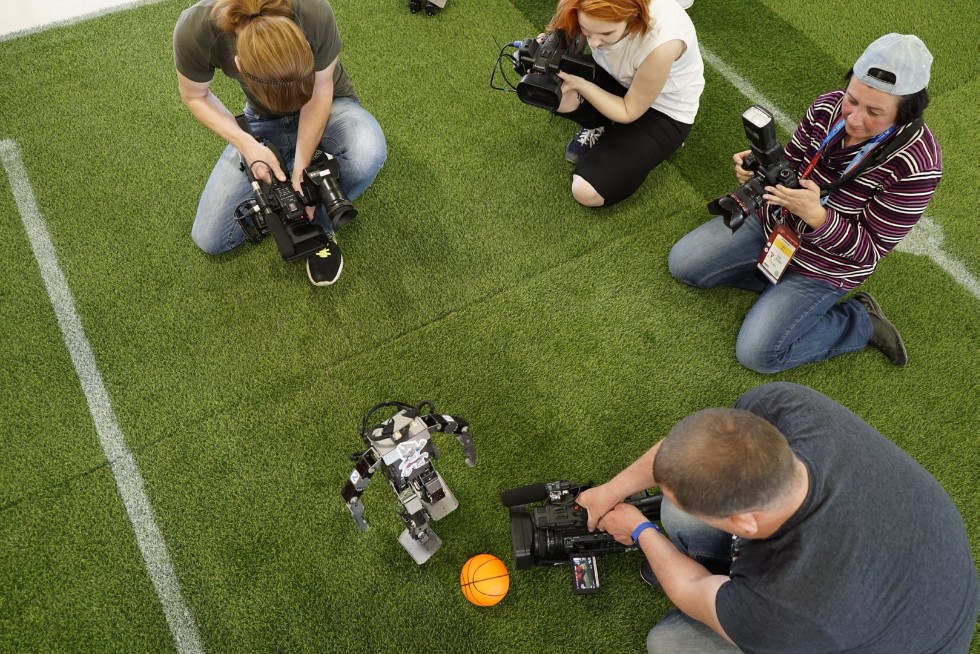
<point>867,216</point>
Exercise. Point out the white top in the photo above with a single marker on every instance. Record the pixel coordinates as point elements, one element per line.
<point>682,90</point>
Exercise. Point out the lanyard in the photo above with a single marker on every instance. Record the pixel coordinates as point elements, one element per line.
<point>859,156</point>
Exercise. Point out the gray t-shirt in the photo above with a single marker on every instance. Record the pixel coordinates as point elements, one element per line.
<point>876,560</point>
<point>200,48</point>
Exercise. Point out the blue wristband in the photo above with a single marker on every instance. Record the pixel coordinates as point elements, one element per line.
<point>640,528</point>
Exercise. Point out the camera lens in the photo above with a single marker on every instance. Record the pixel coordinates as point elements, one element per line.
<point>540,90</point>
<point>736,206</point>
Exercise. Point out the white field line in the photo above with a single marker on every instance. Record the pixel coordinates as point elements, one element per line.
<point>925,239</point>
<point>129,482</point>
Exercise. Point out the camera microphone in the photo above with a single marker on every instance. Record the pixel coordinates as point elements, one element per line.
<point>524,495</point>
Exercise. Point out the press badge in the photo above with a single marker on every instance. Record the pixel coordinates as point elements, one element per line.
<point>779,249</point>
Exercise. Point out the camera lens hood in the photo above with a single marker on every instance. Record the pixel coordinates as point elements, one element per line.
<point>540,90</point>
<point>522,536</point>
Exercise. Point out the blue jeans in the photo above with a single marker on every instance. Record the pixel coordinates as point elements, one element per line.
<point>797,321</point>
<point>352,135</point>
<point>677,633</point>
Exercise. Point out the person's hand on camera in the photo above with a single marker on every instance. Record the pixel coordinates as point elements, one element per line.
<point>621,521</point>
<point>571,92</point>
<point>297,182</point>
<point>803,203</point>
<point>571,82</point>
<point>598,501</point>
<point>742,174</point>
<point>263,163</point>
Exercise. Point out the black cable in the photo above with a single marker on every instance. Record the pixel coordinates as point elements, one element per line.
<point>366,432</point>
<point>499,66</point>
<point>260,161</point>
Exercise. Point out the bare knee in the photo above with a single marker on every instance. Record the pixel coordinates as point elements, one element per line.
<point>585,194</point>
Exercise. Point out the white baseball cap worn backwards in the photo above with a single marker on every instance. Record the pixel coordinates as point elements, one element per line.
<point>903,55</point>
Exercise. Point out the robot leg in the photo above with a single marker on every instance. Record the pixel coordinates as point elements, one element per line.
<point>442,507</point>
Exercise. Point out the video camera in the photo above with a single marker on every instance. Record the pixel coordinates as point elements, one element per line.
<point>768,163</point>
<point>557,532</point>
<point>278,209</point>
<point>539,63</point>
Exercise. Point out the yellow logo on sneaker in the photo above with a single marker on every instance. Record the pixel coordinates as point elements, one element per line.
<point>323,254</point>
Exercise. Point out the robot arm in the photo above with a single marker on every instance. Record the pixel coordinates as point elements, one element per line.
<point>456,426</point>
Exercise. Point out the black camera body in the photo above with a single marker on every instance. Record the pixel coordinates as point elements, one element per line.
<point>557,532</point>
<point>278,209</point>
<point>767,163</point>
<point>539,64</point>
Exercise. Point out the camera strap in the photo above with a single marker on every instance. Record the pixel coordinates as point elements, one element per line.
<point>783,241</point>
<point>870,156</point>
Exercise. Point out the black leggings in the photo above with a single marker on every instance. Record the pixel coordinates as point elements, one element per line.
<point>625,153</point>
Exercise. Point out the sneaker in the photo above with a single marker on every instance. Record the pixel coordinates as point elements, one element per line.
<point>584,141</point>
<point>323,266</point>
<point>646,574</point>
<point>885,337</point>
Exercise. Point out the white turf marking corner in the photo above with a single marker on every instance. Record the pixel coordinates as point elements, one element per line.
<point>124,469</point>
<point>925,239</point>
<point>19,18</point>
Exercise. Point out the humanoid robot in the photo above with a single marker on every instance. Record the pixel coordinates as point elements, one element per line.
<point>402,448</point>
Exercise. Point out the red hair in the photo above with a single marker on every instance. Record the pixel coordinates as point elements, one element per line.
<point>635,13</point>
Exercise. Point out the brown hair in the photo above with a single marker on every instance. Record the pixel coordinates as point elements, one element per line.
<point>275,59</point>
<point>636,14</point>
<point>719,462</point>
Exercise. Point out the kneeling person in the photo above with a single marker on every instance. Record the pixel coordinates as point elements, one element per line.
<point>285,55</point>
<point>841,236</point>
<point>643,102</point>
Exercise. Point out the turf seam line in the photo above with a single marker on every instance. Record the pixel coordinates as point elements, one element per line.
<point>490,295</point>
<point>288,381</point>
<point>129,481</point>
<point>925,239</point>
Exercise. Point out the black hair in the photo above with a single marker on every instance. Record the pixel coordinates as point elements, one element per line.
<point>910,107</point>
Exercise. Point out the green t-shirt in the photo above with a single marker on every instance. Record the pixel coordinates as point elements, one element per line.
<point>200,48</point>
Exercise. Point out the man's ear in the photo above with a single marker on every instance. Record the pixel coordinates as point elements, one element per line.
<point>745,524</point>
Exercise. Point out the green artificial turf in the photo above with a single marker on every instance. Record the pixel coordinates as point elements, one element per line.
<point>471,278</point>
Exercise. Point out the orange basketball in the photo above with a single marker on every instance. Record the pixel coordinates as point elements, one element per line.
<point>484,579</point>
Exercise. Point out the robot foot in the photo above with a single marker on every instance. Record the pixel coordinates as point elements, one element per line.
<point>421,549</point>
